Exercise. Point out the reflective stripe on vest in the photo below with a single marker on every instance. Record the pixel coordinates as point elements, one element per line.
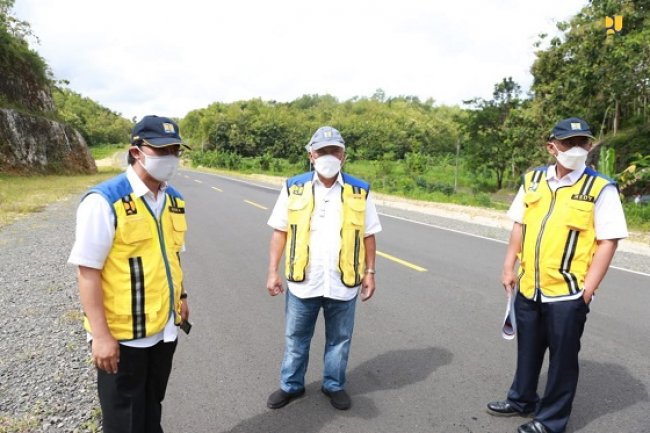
<point>558,234</point>
<point>300,208</point>
<point>142,275</point>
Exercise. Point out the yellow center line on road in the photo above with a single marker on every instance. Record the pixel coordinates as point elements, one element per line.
<point>255,204</point>
<point>198,181</point>
<point>401,262</point>
<point>216,189</point>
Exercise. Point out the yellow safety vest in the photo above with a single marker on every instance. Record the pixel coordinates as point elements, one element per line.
<point>142,275</point>
<point>559,237</point>
<point>353,214</point>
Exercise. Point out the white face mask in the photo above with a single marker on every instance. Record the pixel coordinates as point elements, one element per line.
<point>573,158</point>
<point>161,168</point>
<point>327,166</point>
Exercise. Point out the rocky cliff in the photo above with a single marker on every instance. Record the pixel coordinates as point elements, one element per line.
<point>29,140</point>
<point>31,143</point>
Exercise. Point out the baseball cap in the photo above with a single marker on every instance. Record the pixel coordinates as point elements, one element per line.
<point>156,131</point>
<point>571,127</point>
<point>325,136</point>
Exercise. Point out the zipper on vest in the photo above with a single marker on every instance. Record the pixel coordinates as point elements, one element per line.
<point>292,250</point>
<point>357,246</point>
<point>161,241</point>
<point>538,245</point>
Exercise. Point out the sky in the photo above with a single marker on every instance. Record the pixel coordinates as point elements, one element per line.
<point>168,57</point>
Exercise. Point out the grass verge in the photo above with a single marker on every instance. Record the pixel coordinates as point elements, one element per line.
<point>20,195</point>
<point>105,150</point>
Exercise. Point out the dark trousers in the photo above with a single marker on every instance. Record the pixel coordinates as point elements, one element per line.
<point>557,326</point>
<point>131,399</point>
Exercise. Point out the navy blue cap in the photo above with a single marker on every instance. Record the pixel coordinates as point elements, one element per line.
<point>571,127</point>
<point>325,136</point>
<point>156,131</point>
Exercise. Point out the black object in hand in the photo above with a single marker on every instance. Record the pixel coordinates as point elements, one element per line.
<point>186,326</point>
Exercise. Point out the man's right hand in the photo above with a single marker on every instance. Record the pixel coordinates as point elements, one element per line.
<point>274,283</point>
<point>106,353</point>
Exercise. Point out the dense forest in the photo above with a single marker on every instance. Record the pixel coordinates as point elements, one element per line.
<point>581,71</point>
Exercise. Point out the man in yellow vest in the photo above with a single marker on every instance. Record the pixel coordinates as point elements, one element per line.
<point>129,235</point>
<point>568,219</point>
<point>325,223</point>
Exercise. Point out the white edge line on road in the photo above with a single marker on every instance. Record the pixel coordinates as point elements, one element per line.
<point>443,228</point>
<point>618,268</point>
<point>630,271</point>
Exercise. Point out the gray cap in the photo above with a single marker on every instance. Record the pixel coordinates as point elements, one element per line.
<point>325,136</point>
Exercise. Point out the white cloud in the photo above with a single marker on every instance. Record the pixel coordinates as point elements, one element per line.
<point>167,57</point>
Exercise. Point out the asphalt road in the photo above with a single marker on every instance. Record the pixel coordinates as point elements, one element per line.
<point>426,354</point>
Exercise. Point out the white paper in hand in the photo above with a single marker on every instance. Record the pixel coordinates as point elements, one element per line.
<point>509,328</point>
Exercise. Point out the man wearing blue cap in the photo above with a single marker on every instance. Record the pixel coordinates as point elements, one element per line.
<point>130,232</point>
<point>325,222</point>
<point>568,219</point>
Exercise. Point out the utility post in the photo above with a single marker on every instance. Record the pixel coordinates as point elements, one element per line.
<point>456,170</point>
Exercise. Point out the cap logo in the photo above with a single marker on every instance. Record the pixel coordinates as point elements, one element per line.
<point>576,126</point>
<point>327,134</point>
<point>168,127</point>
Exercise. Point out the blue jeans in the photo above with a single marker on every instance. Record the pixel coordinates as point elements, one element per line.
<point>301,315</point>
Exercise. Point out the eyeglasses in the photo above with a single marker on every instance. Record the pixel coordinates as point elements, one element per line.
<point>162,151</point>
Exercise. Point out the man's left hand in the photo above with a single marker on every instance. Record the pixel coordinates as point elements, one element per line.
<point>367,286</point>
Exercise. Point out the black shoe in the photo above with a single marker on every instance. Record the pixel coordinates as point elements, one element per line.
<point>503,408</point>
<point>280,398</point>
<point>338,399</point>
<point>532,427</point>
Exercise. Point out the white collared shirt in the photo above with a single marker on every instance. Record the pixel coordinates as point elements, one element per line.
<point>322,276</point>
<point>609,218</point>
<point>94,239</point>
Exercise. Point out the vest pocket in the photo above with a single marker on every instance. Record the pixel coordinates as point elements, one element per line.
<point>137,305</point>
<point>532,209</point>
<point>357,213</point>
<point>297,203</point>
<point>135,230</point>
<point>179,224</point>
<point>579,215</point>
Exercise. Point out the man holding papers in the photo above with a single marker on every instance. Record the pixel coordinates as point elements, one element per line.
<point>568,219</point>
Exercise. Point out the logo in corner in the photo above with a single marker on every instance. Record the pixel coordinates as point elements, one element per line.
<point>613,24</point>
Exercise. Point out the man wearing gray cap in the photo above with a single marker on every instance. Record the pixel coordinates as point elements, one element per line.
<point>325,223</point>
<point>568,219</point>
<point>130,232</point>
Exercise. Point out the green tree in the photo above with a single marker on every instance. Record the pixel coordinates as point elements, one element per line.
<point>604,79</point>
<point>491,144</point>
<point>96,123</point>
<point>19,63</point>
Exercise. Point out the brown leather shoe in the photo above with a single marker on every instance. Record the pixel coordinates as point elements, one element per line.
<point>281,398</point>
<point>339,399</point>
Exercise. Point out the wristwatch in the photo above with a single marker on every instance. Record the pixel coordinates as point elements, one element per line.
<point>370,271</point>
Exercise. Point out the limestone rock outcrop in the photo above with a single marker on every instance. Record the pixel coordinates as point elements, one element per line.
<point>30,143</point>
